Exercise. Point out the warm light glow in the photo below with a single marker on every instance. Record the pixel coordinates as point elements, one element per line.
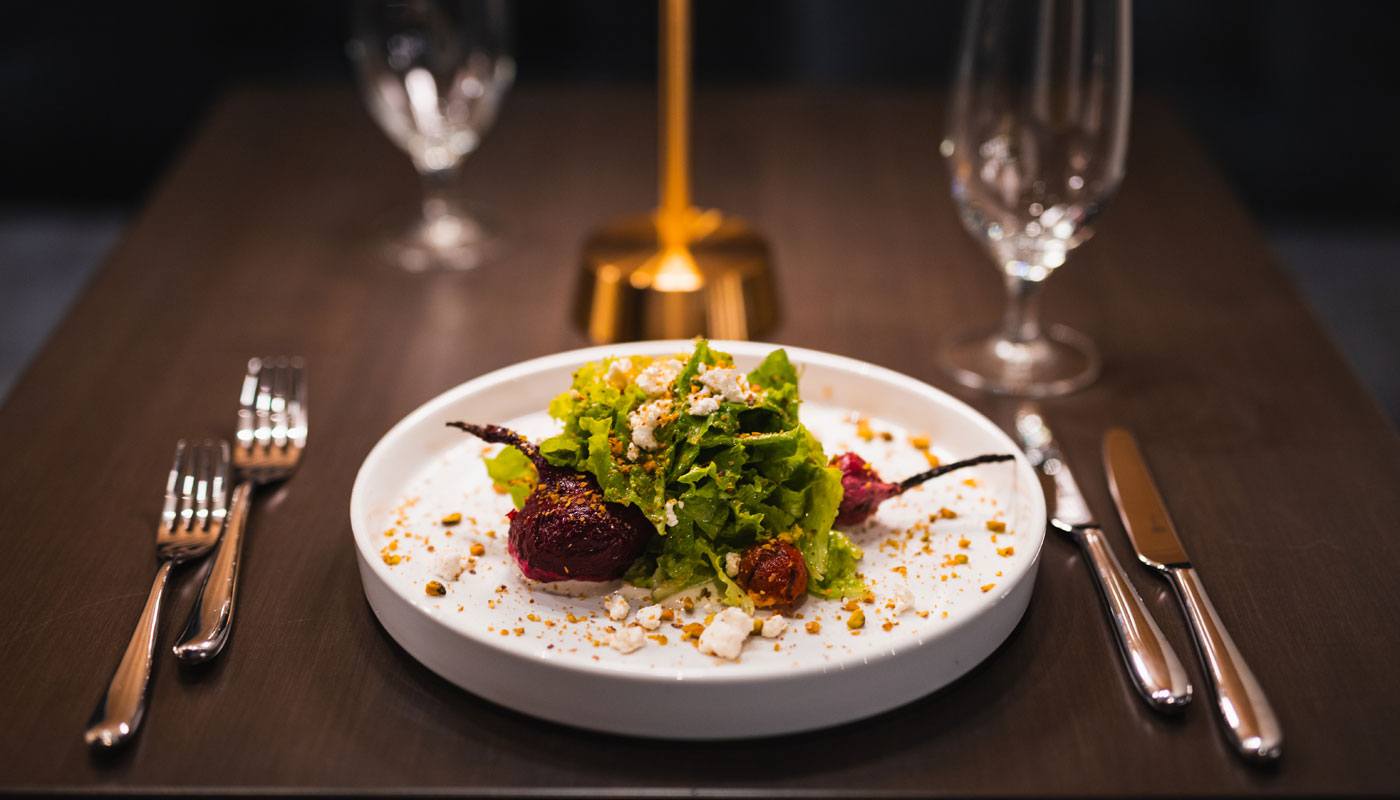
<point>671,270</point>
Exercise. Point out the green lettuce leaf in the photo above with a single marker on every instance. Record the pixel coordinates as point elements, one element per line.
<point>717,484</point>
<point>512,472</point>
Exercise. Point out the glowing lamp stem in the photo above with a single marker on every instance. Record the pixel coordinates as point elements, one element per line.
<point>675,122</point>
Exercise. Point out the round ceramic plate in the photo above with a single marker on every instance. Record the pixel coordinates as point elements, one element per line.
<point>965,546</point>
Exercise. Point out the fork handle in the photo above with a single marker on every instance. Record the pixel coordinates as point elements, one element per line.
<point>211,618</point>
<point>119,712</point>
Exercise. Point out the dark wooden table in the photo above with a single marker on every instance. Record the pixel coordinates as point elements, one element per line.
<point>1279,468</point>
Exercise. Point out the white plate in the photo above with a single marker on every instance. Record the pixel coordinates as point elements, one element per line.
<point>508,641</point>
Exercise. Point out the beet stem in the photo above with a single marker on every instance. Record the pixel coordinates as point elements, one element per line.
<point>914,480</point>
<point>498,435</point>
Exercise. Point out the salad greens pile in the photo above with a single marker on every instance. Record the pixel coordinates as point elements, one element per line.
<point>717,460</point>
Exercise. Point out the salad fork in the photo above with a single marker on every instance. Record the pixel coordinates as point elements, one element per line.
<point>271,437</point>
<point>190,525</point>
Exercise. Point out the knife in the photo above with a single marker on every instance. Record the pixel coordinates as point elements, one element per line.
<point>1248,719</point>
<point>1156,672</point>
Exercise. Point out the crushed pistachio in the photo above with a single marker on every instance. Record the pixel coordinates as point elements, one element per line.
<point>863,429</point>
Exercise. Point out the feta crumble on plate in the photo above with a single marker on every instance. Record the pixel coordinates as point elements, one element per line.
<point>628,639</point>
<point>725,636</point>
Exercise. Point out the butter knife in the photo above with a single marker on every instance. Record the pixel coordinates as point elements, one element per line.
<point>1248,719</point>
<point>1156,672</point>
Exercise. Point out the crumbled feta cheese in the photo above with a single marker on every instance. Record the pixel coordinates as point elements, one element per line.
<point>628,639</point>
<point>657,378</point>
<point>632,452</point>
<point>774,626</point>
<point>670,508</point>
<point>726,635</point>
<point>449,567</point>
<point>617,372</point>
<point>645,420</point>
<point>903,599</point>
<point>731,564</point>
<point>703,404</point>
<point>649,617</point>
<point>729,383</point>
<point>617,607</point>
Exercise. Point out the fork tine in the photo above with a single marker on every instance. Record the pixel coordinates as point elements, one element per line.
<point>296,406</point>
<point>169,513</point>
<point>187,488</point>
<point>218,500</point>
<point>246,399</point>
<point>204,468</point>
<point>278,407</point>
<point>262,432</point>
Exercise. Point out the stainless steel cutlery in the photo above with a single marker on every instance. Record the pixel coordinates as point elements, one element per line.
<point>271,435</point>
<point>1248,719</point>
<point>271,438</point>
<point>1155,669</point>
<point>190,524</point>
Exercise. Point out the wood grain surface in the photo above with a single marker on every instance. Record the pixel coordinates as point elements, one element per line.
<point>1280,470</point>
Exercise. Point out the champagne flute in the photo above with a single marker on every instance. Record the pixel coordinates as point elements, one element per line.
<point>1036,144</point>
<point>433,73</point>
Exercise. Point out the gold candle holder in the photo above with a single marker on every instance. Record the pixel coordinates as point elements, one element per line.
<point>680,271</point>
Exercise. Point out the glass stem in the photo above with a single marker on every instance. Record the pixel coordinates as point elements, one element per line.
<point>439,194</point>
<point>1022,321</point>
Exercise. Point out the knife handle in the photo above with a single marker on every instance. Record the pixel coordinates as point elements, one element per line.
<point>1156,671</point>
<point>1245,712</point>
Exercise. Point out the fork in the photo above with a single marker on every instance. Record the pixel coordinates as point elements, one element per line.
<point>271,437</point>
<point>190,525</point>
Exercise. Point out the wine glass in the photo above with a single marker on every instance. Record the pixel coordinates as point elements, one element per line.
<point>433,73</point>
<point>1036,144</point>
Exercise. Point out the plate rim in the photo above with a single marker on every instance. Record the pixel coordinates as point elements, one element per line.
<point>748,674</point>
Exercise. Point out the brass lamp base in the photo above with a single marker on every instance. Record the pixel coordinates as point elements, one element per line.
<point>717,283</point>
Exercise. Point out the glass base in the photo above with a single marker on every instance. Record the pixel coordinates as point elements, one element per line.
<point>453,243</point>
<point>1059,362</point>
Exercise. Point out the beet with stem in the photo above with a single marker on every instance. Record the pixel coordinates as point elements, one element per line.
<point>864,490</point>
<point>566,530</point>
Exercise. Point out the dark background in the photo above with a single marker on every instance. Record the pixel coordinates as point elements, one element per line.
<point>1296,101</point>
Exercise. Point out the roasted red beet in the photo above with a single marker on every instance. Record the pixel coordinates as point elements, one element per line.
<point>773,573</point>
<point>566,531</point>
<point>865,491</point>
